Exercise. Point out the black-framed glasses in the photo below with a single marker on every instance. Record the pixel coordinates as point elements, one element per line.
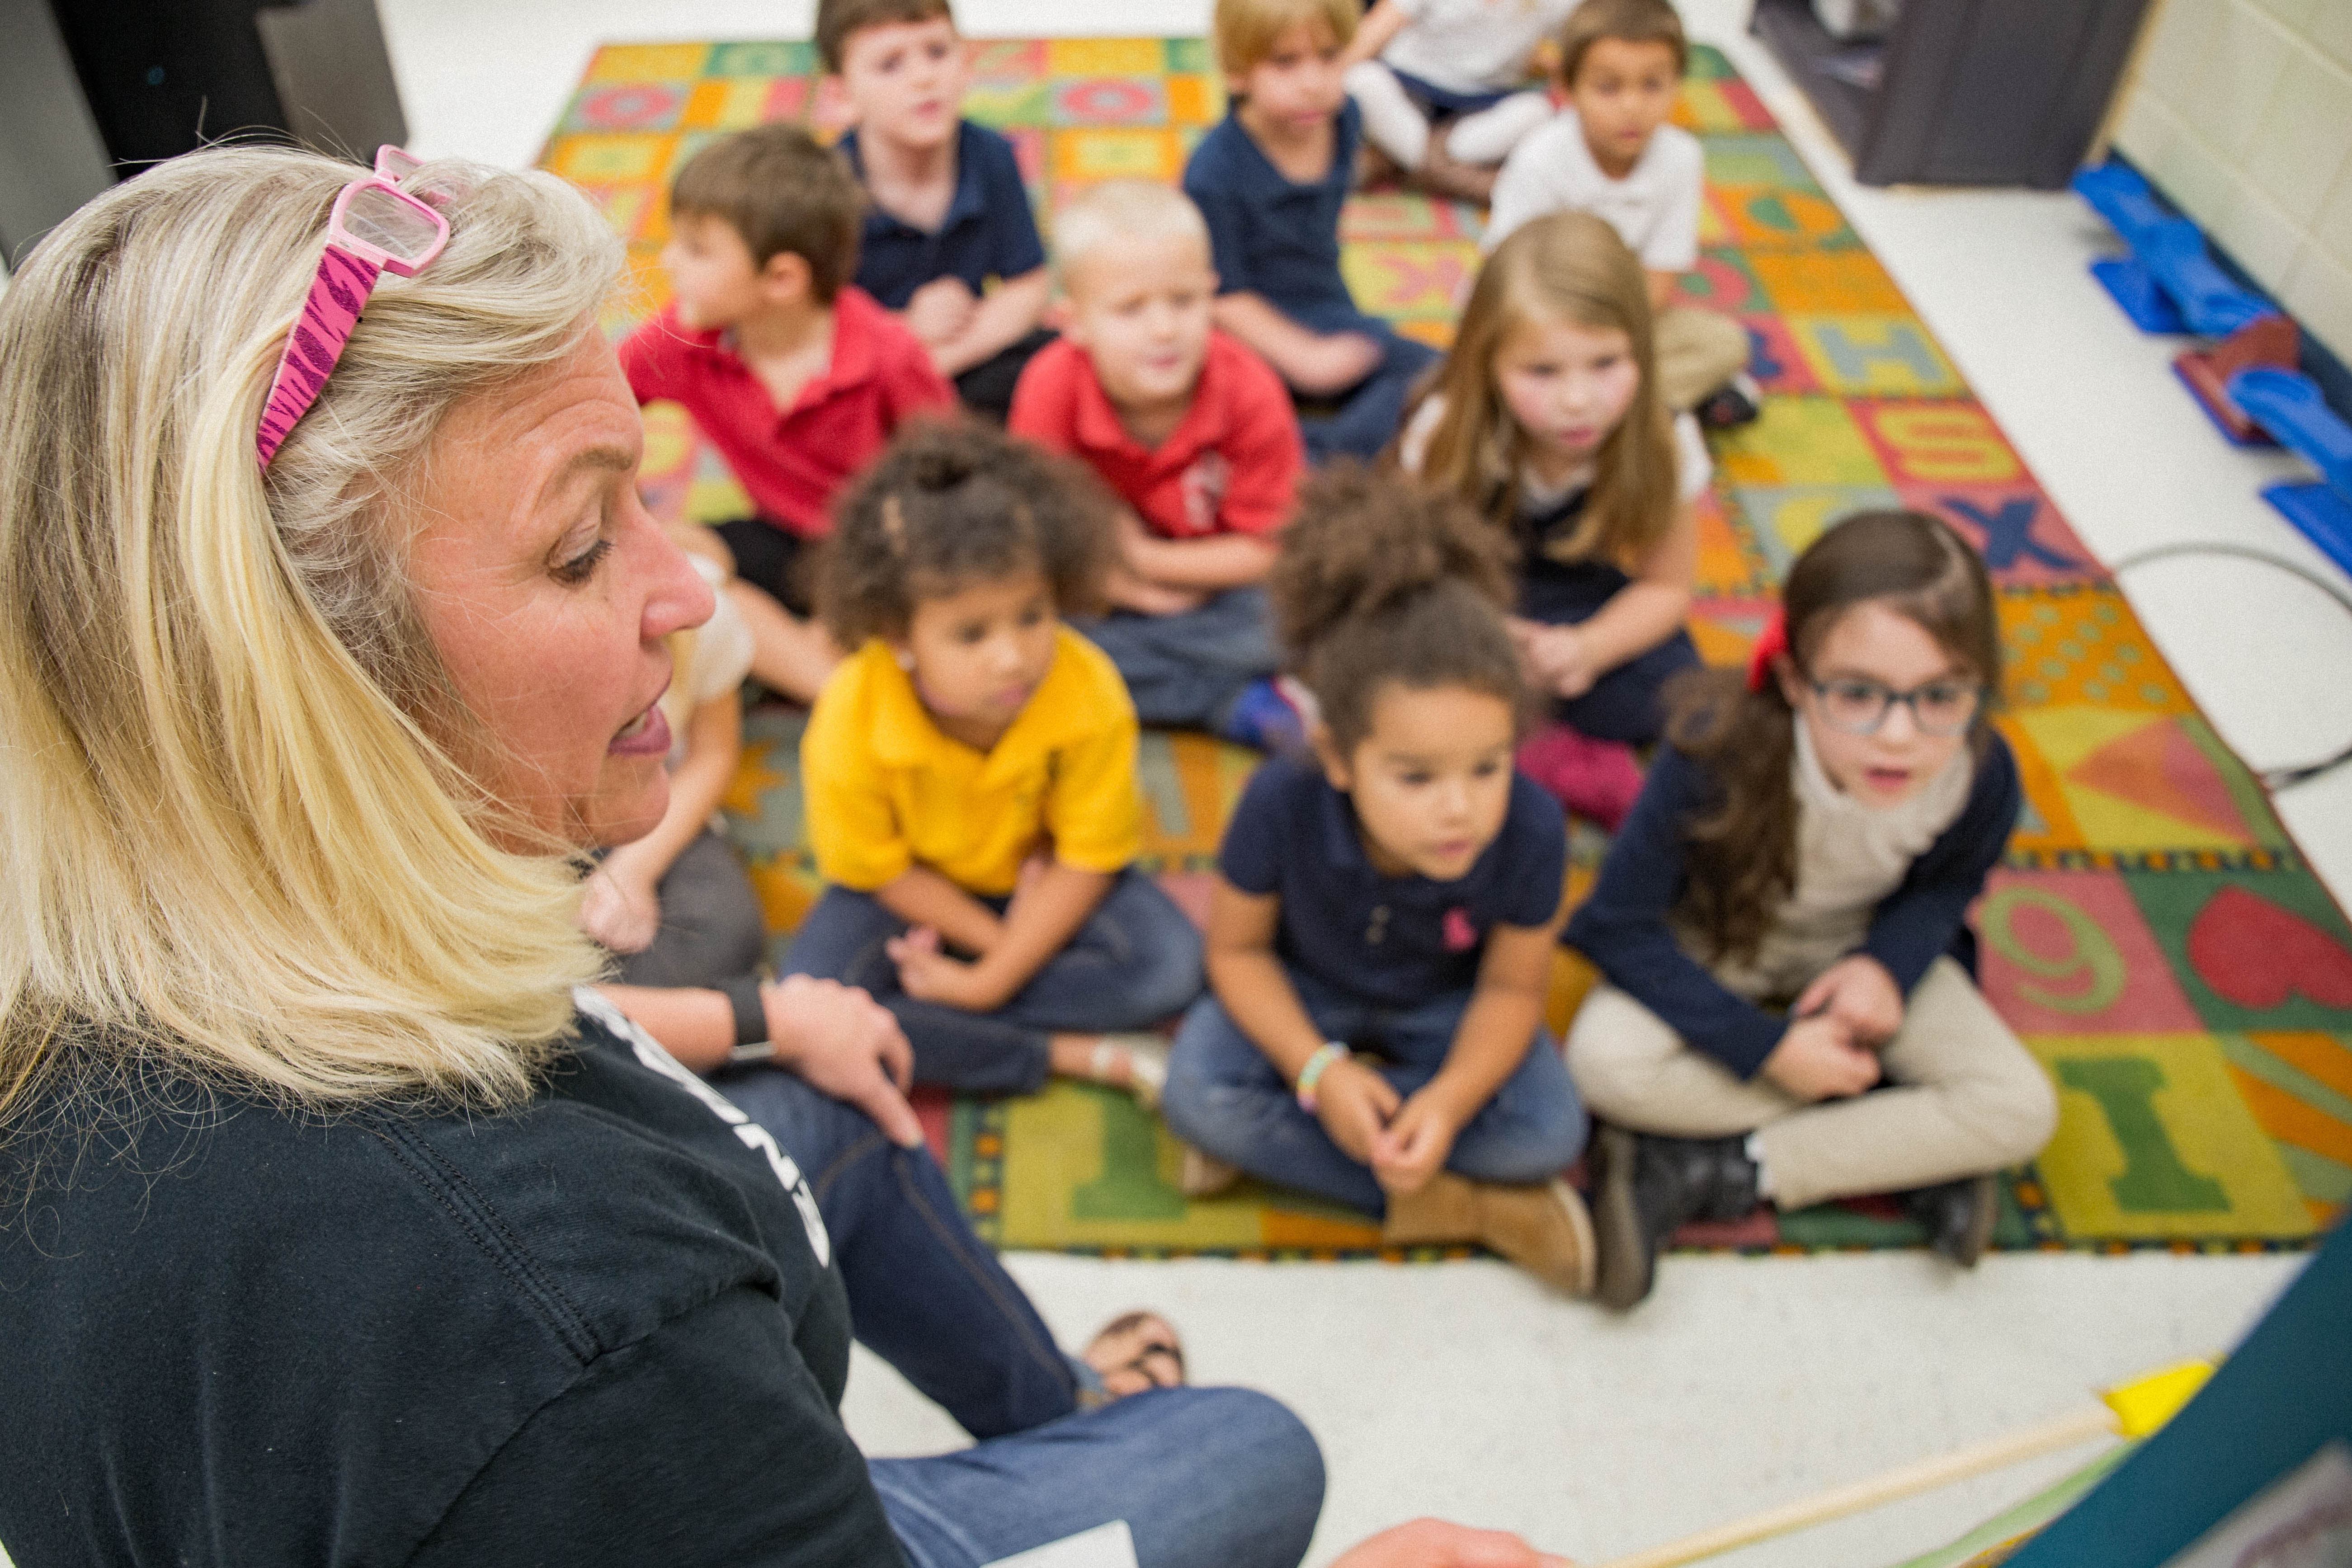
<point>1858,707</point>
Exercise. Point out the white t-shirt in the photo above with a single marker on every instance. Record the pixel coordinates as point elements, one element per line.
<point>1655,208</point>
<point>1693,467</point>
<point>1472,46</point>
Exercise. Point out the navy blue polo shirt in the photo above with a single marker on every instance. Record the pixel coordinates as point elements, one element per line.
<point>1391,941</point>
<point>988,231</point>
<point>1274,238</point>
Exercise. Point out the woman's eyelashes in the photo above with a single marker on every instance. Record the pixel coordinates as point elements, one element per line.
<point>572,574</point>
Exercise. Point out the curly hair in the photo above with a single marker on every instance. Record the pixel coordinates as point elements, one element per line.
<point>952,502</point>
<point>1742,851</point>
<point>1380,581</point>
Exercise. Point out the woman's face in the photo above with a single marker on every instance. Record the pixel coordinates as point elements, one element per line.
<point>547,589</point>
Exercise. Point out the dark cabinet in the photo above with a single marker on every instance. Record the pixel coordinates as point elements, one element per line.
<point>1962,92</point>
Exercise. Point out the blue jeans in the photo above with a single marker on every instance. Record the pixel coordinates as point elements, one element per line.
<point>1624,704</point>
<point>1226,1100</point>
<point>1202,1476</point>
<point>1135,961</point>
<point>1187,671</point>
<point>1369,413</point>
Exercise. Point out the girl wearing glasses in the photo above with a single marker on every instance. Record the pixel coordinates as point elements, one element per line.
<point>1780,921</point>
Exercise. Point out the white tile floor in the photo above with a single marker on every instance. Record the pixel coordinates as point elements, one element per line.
<point>1459,1389</point>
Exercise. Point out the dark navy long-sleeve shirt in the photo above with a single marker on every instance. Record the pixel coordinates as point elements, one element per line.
<point>1624,929</point>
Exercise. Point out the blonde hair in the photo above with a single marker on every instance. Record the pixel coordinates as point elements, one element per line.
<point>237,837</point>
<point>1245,31</point>
<point>1573,268</point>
<point>1124,209</point>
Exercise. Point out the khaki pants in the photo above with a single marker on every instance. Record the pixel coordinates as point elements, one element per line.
<point>1697,352</point>
<point>1965,1097</point>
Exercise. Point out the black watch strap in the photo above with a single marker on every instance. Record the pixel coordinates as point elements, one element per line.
<point>742,994</point>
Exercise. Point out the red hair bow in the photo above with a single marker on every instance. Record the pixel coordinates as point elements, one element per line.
<point>1770,643</point>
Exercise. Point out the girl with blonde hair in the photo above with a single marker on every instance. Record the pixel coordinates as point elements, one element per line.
<point>341,1224</point>
<point>1545,417</point>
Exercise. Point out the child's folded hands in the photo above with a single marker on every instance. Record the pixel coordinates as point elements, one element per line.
<point>1819,1058</point>
<point>1354,1104</point>
<point>1859,992</point>
<point>1413,1146</point>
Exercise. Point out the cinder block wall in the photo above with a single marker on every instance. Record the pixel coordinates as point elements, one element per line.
<point>2241,112</point>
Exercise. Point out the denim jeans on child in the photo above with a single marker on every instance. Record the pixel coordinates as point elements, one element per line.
<point>1136,961</point>
<point>1226,1100</point>
<point>1203,1477</point>
<point>1186,671</point>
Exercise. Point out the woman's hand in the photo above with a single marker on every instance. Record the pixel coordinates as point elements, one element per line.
<point>927,974</point>
<point>842,1041</point>
<point>1859,992</point>
<point>621,912</point>
<point>1413,1146</point>
<point>1818,1059</point>
<point>1354,1104</point>
<point>1433,1543</point>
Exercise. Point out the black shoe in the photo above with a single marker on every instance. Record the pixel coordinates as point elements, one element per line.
<point>1645,1187</point>
<point>1736,402</point>
<point>1956,1215</point>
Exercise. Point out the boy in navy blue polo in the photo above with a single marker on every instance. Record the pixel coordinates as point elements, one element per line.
<point>1379,935</point>
<point>948,210</point>
<point>1271,179</point>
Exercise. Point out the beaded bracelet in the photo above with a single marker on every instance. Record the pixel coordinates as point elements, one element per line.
<point>1330,1051</point>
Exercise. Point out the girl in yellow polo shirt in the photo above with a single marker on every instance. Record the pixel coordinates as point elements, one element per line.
<point>969,773</point>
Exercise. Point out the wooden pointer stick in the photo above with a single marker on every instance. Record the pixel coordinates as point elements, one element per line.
<point>2133,1410</point>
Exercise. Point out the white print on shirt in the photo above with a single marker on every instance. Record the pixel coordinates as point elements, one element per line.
<point>754,1136</point>
<point>1204,491</point>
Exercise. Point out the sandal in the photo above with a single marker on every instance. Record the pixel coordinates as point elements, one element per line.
<point>1136,1062</point>
<point>1134,1354</point>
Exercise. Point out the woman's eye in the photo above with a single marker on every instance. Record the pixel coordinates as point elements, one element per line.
<point>583,566</point>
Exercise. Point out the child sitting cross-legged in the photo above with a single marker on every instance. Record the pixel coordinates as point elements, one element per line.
<point>1612,153</point>
<point>1194,434</point>
<point>949,213</point>
<point>1443,86</point>
<point>795,376</point>
<point>970,778</point>
<point>1545,419</point>
<point>1812,837</point>
<point>1381,933</point>
<point>1270,178</point>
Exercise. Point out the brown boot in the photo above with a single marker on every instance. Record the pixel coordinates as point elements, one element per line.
<point>1542,1228</point>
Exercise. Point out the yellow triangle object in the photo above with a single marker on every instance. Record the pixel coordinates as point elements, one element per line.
<point>2144,1403</point>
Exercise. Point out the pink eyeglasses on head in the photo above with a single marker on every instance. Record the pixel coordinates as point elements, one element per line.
<point>376,226</point>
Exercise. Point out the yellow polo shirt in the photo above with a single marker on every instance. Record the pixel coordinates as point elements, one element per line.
<point>886,790</point>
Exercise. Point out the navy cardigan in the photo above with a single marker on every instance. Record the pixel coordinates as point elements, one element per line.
<point>1622,926</point>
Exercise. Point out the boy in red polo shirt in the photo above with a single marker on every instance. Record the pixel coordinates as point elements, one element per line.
<point>1195,432</point>
<point>795,376</point>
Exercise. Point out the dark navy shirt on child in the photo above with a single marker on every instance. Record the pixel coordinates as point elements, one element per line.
<point>1271,237</point>
<point>988,232</point>
<point>1624,927</point>
<point>1393,941</point>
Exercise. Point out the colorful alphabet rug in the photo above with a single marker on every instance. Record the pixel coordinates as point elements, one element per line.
<point>2153,936</point>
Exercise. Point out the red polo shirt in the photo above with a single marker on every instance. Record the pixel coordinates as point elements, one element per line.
<point>792,462</point>
<point>1230,467</point>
